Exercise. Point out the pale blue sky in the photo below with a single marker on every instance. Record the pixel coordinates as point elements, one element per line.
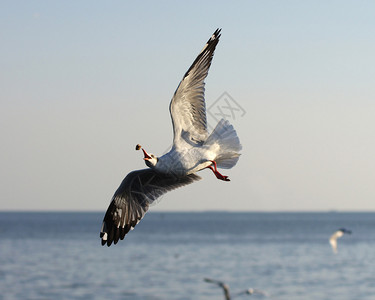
<point>82,82</point>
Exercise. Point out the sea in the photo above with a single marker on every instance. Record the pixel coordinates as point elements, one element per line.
<point>58,255</point>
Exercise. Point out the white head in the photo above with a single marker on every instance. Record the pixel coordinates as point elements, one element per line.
<point>150,159</point>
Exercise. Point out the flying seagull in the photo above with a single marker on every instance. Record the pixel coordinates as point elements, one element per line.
<point>252,291</point>
<point>193,149</point>
<point>333,239</point>
<point>225,288</point>
<point>221,284</point>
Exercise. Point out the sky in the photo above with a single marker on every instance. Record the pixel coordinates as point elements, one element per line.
<point>83,82</point>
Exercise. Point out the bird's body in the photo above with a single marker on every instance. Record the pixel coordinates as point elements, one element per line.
<point>193,150</point>
<point>185,161</point>
<point>191,159</point>
<point>252,291</point>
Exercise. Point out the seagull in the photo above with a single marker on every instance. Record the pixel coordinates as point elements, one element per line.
<point>252,291</point>
<point>225,288</point>
<point>193,150</point>
<point>221,284</point>
<point>333,239</point>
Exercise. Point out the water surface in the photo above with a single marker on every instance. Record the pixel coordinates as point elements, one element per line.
<point>59,256</point>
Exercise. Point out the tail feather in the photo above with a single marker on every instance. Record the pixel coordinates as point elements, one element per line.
<point>225,136</point>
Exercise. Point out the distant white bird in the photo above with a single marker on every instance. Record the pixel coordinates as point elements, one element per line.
<point>333,239</point>
<point>193,150</point>
<point>252,291</point>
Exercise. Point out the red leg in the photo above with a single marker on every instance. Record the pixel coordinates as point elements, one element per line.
<point>217,173</point>
<point>215,165</point>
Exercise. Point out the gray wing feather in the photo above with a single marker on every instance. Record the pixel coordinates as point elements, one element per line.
<point>132,199</point>
<point>188,108</point>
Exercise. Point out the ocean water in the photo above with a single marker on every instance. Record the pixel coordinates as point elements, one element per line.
<point>59,256</point>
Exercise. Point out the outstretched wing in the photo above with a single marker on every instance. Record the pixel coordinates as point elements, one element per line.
<point>333,242</point>
<point>132,199</point>
<point>188,108</point>
<point>217,282</point>
<point>221,284</point>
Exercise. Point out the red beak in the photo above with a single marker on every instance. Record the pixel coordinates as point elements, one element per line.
<point>147,157</point>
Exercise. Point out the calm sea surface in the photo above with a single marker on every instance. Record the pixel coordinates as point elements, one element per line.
<point>59,256</point>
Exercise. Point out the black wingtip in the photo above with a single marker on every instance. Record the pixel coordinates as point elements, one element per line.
<point>208,51</point>
<point>344,230</point>
<point>215,36</point>
<point>217,33</point>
